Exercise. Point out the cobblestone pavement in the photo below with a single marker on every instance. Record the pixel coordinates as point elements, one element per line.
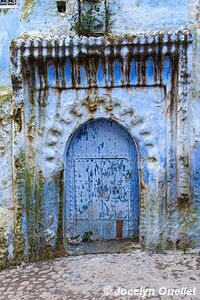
<point>91,276</point>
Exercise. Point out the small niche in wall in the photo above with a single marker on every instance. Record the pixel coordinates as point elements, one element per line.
<point>61,6</point>
<point>8,4</point>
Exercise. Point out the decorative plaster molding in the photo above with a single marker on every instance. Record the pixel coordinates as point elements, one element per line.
<point>88,62</point>
<point>111,108</point>
<point>44,46</point>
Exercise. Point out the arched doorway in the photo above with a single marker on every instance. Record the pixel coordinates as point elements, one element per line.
<point>102,182</point>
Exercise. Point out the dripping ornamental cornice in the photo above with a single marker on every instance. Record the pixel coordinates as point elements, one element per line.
<point>63,46</point>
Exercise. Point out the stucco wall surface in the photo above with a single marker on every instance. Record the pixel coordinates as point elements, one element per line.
<point>195,129</point>
<point>6,195</point>
<point>127,17</point>
<point>35,125</point>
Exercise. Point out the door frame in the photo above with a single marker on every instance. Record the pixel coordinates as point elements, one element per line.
<point>65,233</point>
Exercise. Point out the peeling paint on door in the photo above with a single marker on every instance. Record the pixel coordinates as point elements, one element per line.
<point>102,182</point>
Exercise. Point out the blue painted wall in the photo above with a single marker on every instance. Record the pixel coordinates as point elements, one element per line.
<point>48,117</point>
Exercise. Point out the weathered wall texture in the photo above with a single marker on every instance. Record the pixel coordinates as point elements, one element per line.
<point>6,203</point>
<point>9,20</point>
<point>195,122</point>
<point>147,83</point>
<point>127,16</point>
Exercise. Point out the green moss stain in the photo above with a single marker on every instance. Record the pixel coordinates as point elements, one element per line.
<point>32,234</point>
<point>3,249</point>
<point>59,244</point>
<point>30,188</point>
<point>19,194</point>
<point>192,218</point>
<point>58,250</point>
<point>13,43</point>
<point>5,119</point>
<point>29,228</point>
<point>28,7</point>
<point>4,11</point>
<point>18,118</point>
<point>38,249</point>
<point>35,208</point>
<point>5,93</point>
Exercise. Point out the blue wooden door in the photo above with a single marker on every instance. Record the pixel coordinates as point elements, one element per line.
<point>102,192</point>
